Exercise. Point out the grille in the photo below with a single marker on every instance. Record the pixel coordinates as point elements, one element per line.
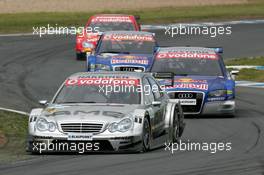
<point>82,127</point>
<point>190,95</point>
<point>130,69</point>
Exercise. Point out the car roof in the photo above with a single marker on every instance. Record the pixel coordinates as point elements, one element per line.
<point>128,33</point>
<point>137,75</point>
<point>187,49</point>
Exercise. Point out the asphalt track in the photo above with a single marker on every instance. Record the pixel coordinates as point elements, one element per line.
<point>32,68</point>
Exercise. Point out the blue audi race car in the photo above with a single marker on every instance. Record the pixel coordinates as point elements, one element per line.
<point>123,51</point>
<point>201,80</point>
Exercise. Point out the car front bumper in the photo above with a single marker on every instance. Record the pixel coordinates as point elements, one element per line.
<point>42,144</point>
<point>219,107</point>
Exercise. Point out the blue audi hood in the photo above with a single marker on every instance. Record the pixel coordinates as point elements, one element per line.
<point>200,83</point>
<point>133,60</point>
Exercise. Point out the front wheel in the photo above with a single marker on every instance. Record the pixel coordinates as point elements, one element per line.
<point>176,130</point>
<point>80,56</point>
<point>146,136</point>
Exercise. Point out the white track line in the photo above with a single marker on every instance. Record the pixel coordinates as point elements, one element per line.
<point>15,111</point>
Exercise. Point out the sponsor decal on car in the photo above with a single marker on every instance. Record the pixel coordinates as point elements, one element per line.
<point>203,86</point>
<point>189,80</point>
<point>169,55</point>
<point>216,99</point>
<point>111,19</point>
<point>129,59</point>
<point>101,81</point>
<point>91,37</point>
<point>121,37</point>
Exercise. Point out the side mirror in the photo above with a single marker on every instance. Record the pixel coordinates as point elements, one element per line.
<point>43,102</point>
<point>156,103</point>
<point>156,48</point>
<point>164,78</point>
<point>234,73</point>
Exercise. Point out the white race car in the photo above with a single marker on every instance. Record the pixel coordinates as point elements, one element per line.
<point>113,111</point>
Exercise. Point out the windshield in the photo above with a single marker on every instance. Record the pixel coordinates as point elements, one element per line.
<point>83,91</point>
<point>188,66</point>
<point>130,44</point>
<point>112,26</point>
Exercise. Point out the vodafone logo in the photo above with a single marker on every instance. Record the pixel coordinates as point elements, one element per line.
<point>100,81</point>
<point>187,55</point>
<point>129,37</point>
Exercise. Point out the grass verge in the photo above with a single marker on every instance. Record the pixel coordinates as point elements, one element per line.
<point>254,61</point>
<point>23,22</point>
<point>13,133</point>
<point>248,74</point>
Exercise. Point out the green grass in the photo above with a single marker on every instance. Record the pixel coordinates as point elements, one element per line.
<point>14,128</point>
<point>23,22</point>
<point>248,74</point>
<point>251,75</point>
<point>254,61</point>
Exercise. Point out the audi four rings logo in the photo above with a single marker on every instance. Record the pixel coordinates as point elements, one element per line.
<point>185,95</point>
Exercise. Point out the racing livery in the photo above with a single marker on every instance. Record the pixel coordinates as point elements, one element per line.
<point>201,81</point>
<point>87,39</point>
<point>123,51</point>
<point>87,108</point>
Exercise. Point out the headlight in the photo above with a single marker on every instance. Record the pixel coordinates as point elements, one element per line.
<point>43,125</point>
<point>102,67</point>
<point>87,45</point>
<point>217,93</point>
<point>122,126</point>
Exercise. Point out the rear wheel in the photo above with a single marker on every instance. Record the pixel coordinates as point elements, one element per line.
<point>146,135</point>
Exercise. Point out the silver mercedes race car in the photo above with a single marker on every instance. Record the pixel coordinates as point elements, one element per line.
<point>113,111</point>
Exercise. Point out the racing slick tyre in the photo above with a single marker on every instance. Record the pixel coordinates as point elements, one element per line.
<point>176,130</point>
<point>146,136</point>
<point>80,56</point>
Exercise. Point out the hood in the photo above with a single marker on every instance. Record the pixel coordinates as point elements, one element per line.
<point>101,113</point>
<point>196,83</point>
<point>140,60</point>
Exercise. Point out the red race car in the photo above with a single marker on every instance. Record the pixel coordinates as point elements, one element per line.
<point>87,39</point>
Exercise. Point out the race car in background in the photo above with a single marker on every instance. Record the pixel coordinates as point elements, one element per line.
<point>201,82</point>
<point>86,40</point>
<point>88,109</point>
<point>123,51</point>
